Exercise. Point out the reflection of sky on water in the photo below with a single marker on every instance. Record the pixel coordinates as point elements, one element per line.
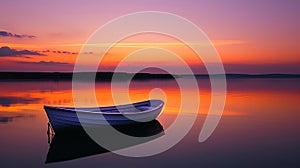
<point>259,127</point>
<point>8,101</point>
<point>8,117</point>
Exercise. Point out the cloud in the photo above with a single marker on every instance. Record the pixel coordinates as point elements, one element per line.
<point>8,34</point>
<point>59,52</point>
<point>6,51</point>
<point>44,63</point>
<point>160,44</point>
<point>9,52</point>
<point>64,52</point>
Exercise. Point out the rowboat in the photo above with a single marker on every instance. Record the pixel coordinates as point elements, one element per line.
<point>64,118</point>
<point>78,144</point>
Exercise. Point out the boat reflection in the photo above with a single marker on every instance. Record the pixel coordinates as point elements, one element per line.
<point>77,143</point>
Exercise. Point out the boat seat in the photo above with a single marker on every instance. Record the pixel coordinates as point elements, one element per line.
<point>144,108</point>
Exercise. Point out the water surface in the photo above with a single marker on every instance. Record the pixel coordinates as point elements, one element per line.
<point>259,126</point>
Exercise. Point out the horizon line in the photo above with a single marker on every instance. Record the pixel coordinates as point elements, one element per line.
<point>49,72</point>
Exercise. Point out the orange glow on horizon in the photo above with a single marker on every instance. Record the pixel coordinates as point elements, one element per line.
<point>230,51</point>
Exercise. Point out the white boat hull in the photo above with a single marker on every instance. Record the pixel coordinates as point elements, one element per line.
<point>62,118</point>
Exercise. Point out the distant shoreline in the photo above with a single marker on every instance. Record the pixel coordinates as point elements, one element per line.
<point>107,76</point>
<point>68,76</point>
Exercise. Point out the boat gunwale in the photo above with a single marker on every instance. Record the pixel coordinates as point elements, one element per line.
<point>76,110</point>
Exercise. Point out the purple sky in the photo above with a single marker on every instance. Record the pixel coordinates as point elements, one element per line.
<point>269,28</point>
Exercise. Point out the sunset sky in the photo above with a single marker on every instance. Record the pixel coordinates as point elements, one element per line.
<point>257,36</point>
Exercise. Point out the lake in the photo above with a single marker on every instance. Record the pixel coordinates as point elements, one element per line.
<point>259,127</point>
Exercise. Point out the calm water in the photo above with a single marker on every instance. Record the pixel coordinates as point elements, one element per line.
<point>259,128</point>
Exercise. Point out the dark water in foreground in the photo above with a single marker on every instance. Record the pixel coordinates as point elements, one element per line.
<point>259,127</point>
